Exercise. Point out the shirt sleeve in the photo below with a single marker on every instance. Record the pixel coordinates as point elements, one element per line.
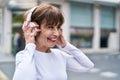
<point>78,61</point>
<point>25,67</point>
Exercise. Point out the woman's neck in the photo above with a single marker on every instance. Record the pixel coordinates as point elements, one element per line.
<point>42,48</point>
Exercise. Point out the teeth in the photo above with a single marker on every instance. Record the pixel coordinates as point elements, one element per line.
<point>53,39</point>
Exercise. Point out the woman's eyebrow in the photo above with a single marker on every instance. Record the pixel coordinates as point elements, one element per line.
<point>51,24</point>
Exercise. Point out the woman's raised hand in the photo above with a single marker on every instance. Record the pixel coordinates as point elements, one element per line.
<point>30,31</point>
<point>61,40</point>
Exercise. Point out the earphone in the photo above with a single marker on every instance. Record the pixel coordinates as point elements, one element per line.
<point>29,16</point>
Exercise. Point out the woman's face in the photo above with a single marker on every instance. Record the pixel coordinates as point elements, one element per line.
<point>49,35</point>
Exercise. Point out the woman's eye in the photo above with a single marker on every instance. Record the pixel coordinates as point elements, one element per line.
<point>50,26</point>
<point>58,27</point>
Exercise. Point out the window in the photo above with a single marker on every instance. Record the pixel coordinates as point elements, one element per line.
<point>107,17</point>
<point>81,22</point>
<point>81,15</point>
<point>107,24</point>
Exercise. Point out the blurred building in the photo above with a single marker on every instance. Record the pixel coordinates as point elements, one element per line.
<point>91,25</point>
<point>5,27</point>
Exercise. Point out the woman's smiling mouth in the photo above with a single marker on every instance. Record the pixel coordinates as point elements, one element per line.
<point>52,39</point>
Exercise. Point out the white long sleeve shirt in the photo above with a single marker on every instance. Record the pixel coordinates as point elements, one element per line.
<point>35,65</point>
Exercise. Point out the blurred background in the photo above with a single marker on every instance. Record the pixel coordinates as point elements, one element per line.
<point>91,25</point>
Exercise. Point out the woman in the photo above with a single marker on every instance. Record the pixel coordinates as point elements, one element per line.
<point>38,61</point>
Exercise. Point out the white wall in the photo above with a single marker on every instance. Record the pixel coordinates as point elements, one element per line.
<point>7,35</point>
<point>1,29</point>
<point>96,34</point>
<point>113,40</point>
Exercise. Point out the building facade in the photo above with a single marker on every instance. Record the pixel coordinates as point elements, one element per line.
<point>5,27</point>
<point>95,24</point>
<point>92,26</point>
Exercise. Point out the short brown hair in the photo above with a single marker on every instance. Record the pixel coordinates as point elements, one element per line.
<point>48,13</point>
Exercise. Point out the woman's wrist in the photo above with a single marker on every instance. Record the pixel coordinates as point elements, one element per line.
<point>30,41</point>
<point>30,45</point>
<point>69,46</point>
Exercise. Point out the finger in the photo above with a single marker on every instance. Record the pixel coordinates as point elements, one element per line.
<point>30,29</point>
<point>27,22</point>
<point>24,27</point>
<point>34,26</point>
<point>36,31</point>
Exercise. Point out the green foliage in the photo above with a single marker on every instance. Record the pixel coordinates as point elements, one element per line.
<point>17,18</point>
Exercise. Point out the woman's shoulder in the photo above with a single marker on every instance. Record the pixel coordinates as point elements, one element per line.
<point>20,53</point>
<point>60,52</point>
<point>56,51</point>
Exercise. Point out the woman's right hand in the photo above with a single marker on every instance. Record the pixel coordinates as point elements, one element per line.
<point>29,34</point>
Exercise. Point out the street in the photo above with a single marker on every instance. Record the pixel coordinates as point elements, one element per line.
<point>107,67</point>
<point>6,70</point>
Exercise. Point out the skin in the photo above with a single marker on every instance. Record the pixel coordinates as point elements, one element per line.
<point>49,36</point>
